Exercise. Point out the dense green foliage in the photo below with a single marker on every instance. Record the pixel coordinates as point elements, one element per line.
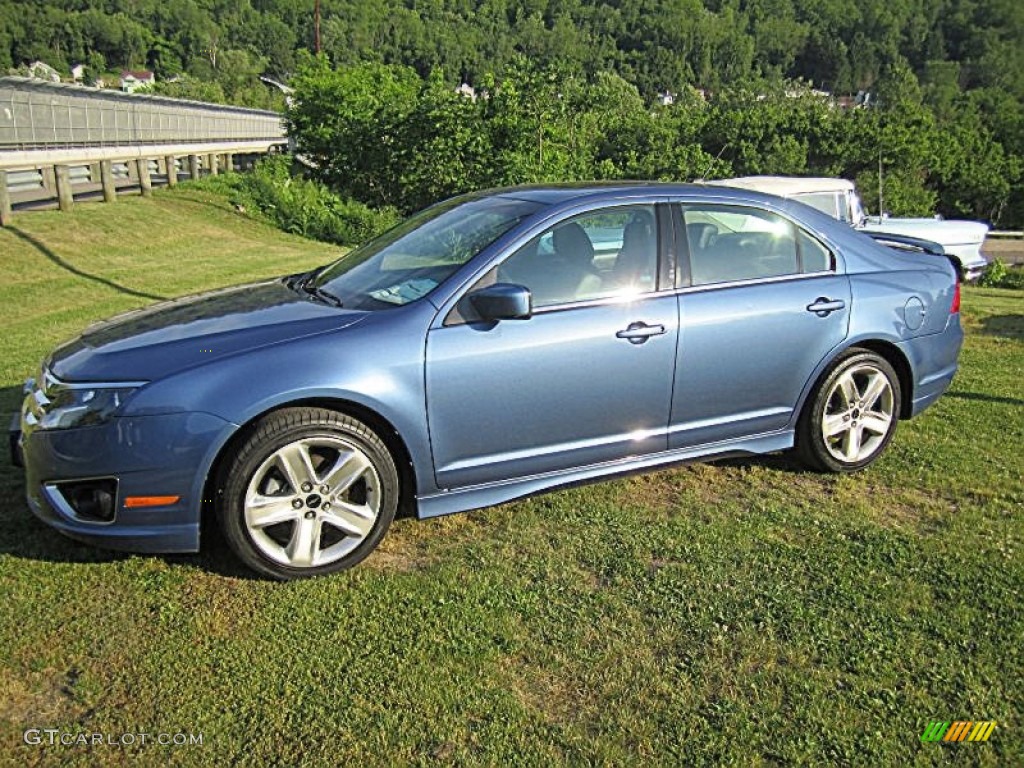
<point>948,75</point>
<point>298,205</point>
<point>384,136</point>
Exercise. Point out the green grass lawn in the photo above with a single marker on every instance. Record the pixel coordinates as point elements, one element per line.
<point>743,613</point>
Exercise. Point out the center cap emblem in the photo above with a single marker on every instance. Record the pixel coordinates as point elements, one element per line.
<point>312,501</point>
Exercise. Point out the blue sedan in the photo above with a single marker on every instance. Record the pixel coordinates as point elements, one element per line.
<point>493,346</point>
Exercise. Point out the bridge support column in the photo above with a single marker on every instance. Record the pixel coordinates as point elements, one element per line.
<point>213,164</point>
<point>172,171</point>
<point>229,162</point>
<point>5,201</point>
<point>49,179</point>
<point>193,167</point>
<point>145,181</point>
<point>65,198</point>
<point>107,178</point>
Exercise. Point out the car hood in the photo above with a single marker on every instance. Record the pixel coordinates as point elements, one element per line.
<point>171,336</point>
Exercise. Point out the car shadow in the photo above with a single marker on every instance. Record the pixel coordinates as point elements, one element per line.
<point>780,462</point>
<point>1009,326</point>
<point>23,537</point>
<point>53,257</point>
<point>984,398</point>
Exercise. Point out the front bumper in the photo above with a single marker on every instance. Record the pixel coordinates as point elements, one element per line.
<point>161,455</point>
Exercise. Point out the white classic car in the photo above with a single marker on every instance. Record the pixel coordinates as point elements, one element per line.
<point>839,199</point>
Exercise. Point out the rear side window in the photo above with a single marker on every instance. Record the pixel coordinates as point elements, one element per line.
<point>826,202</point>
<point>815,256</point>
<point>734,243</point>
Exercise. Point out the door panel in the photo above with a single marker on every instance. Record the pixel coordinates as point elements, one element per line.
<point>562,389</point>
<point>746,352</point>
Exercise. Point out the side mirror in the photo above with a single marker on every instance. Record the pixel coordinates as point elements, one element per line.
<point>502,301</point>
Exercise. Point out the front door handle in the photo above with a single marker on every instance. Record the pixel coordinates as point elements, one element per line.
<point>639,332</point>
<point>823,306</point>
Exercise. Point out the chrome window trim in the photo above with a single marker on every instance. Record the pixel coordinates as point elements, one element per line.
<point>605,300</point>
<point>757,281</point>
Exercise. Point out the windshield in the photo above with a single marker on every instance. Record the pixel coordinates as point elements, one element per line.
<point>410,260</point>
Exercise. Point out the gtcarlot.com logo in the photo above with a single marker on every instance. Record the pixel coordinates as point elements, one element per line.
<point>57,737</point>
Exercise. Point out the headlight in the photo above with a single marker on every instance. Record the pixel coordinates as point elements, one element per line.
<point>62,406</point>
<point>82,407</point>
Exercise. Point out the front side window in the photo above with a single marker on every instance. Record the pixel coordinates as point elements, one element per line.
<point>411,260</point>
<point>611,252</point>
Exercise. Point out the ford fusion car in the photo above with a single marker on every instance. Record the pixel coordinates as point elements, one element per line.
<point>493,346</point>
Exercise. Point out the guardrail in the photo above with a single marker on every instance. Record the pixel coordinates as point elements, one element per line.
<point>58,141</point>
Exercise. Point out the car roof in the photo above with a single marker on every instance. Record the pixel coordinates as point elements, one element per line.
<point>555,194</point>
<point>786,186</point>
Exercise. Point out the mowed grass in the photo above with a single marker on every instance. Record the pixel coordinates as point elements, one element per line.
<point>745,613</point>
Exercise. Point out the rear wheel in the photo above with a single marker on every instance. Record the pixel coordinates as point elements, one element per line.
<point>851,416</point>
<point>309,492</point>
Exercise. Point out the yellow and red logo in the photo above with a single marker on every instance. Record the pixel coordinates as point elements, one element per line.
<point>961,730</point>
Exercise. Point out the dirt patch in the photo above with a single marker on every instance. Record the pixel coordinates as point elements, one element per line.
<point>1007,250</point>
<point>40,699</point>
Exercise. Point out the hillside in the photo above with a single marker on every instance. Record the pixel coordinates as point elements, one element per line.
<point>63,271</point>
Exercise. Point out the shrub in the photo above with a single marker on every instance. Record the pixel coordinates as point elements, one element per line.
<point>298,205</point>
<point>998,275</point>
<point>308,208</point>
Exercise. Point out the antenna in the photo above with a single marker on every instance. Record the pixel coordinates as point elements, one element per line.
<point>881,207</point>
<point>703,176</point>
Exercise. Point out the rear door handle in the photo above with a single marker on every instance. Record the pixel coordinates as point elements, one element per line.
<point>823,306</point>
<point>639,332</point>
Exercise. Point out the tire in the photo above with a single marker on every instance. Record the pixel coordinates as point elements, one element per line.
<point>308,492</point>
<point>851,415</point>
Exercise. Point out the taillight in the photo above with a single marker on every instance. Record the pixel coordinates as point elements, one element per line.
<point>955,307</point>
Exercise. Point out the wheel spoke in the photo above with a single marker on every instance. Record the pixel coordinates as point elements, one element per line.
<point>876,423</point>
<point>848,390</point>
<point>294,461</point>
<point>353,519</point>
<point>851,443</point>
<point>304,545</point>
<point>270,510</point>
<point>346,470</point>
<point>877,384</point>
<point>834,425</point>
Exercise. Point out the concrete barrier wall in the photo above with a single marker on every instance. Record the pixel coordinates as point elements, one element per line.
<point>35,115</point>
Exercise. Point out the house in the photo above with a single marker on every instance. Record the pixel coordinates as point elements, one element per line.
<point>133,79</point>
<point>666,98</point>
<point>466,90</point>
<point>43,71</point>
<point>78,73</point>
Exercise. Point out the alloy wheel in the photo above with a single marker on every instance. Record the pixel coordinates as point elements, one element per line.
<point>312,501</point>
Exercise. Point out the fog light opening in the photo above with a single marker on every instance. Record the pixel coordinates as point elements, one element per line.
<point>92,500</point>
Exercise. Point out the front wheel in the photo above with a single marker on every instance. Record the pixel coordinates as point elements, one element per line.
<point>309,492</point>
<point>851,416</point>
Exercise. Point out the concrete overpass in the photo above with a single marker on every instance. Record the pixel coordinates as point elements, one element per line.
<point>59,142</point>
